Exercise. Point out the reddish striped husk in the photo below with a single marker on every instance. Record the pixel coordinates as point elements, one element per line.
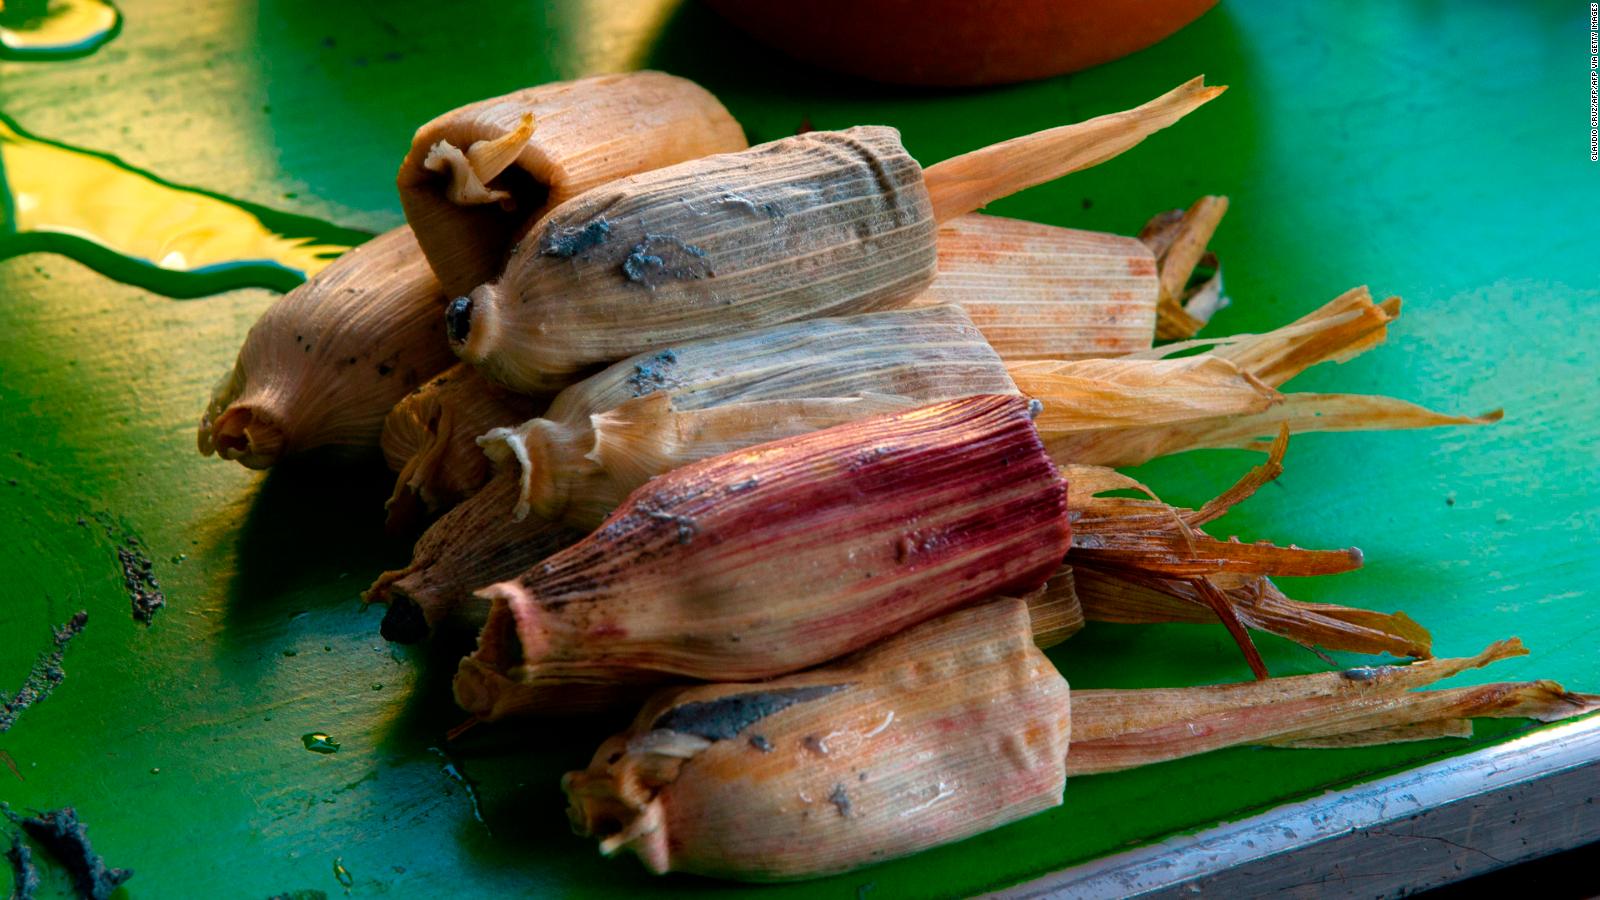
<point>768,560</point>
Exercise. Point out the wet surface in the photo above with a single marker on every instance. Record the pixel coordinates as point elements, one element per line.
<point>139,228</point>
<point>42,30</point>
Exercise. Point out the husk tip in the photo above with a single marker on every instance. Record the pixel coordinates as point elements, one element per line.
<point>249,434</point>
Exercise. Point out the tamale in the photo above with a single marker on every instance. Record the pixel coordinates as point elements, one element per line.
<point>766,560</point>
<point>948,730</point>
<point>476,178</point>
<point>430,439</point>
<point>611,432</point>
<point>952,728</point>
<point>326,361</point>
<point>819,224</point>
<point>330,358</point>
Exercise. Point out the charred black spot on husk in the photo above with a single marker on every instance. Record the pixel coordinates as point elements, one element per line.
<point>660,258</point>
<point>567,242</point>
<point>458,319</point>
<point>723,718</point>
<point>653,374</point>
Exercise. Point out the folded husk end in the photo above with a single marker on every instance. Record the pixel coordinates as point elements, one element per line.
<point>249,433</point>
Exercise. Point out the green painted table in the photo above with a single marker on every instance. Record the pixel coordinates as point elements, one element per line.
<point>1434,151</point>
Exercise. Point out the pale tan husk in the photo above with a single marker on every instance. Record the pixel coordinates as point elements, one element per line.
<point>1178,238</point>
<point>819,224</point>
<point>1045,292</point>
<point>1125,411</point>
<point>1122,729</point>
<point>607,435</point>
<point>430,438</point>
<point>950,729</point>
<point>477,177</point>
<point>326,362</point>
<point>946,730</point>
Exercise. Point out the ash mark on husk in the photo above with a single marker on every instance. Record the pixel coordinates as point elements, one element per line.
<point>723,718</point>
<point>841,800</point>
<point>661,258</point>
<point>653,374</point>
<point>687,528</point>
<point>768,209</point>
<point>67,839</point>
<point>567,242</point>
<point>44,676</point>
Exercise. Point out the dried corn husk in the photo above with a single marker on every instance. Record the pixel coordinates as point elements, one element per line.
<point>1055,610</point>
<point>1044,292</point>
<point>793,552</point>
<point>948,730</point>
<point>1258,604</point>
<point>431,439</point>
<point>327,360</point>
<point>473,545</point>
<point>1179,238</point>
<point>819,224</point>
<point>607,435</point>
<point>1040,292</point>
<point>1126,548</point>
<point>1120,412</point>
<point>952,728</point>
<point>1153,539</point>
<point>477,177</point>
<point>973,180</point>
<point>1121,729</point>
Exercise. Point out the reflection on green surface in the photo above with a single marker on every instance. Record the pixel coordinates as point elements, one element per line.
<point>140,229</point>
<point>317,742</point>
<point>55,29</point>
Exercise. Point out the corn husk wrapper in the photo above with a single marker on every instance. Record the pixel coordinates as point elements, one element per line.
<point>1259,604</point>
<point>1045,292</point>
<point>1125,411</point>
<point>476,544</point>
<point>1055,610</point>
<point>644,416</point>
<point>477,177</point>
<point>974,180</point>
<point>945,731</point>
<point>950,729</point>
<point>1178,238</point>
<point>326,361</point>
<point>472,545</point>
<point>430,438</point>
<point>1122,729</point>
<point>1136,559</point>
<point>778,557</point>
<point>819,224</point>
